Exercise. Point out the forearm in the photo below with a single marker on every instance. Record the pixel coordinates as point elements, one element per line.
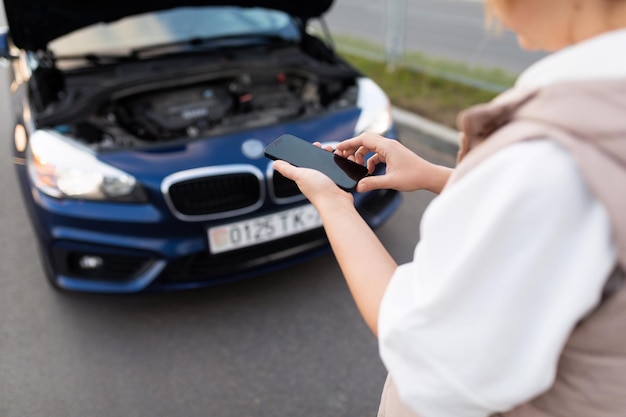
<point>364,262</point>
<point>438,177</point>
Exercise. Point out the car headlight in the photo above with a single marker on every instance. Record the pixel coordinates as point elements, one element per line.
<point>63,169</point>
<point>375,109</point>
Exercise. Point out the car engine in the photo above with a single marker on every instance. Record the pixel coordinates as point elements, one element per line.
<point>205,108</point>
<point>163,112</point>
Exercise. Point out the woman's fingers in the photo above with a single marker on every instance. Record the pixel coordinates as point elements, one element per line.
<point>372,162</point>
<point>358,147</point>
<point>360,154</point>
<point>285,168</point>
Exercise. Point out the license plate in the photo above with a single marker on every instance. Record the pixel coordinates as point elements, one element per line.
<point>263,229</point>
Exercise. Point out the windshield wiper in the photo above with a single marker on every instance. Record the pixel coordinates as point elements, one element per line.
<point>97,59</point>
<point>221,42</point>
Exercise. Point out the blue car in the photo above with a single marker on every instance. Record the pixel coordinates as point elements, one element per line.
<point>140,129</point>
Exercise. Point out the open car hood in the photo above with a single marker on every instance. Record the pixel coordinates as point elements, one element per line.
<point>34,23</point>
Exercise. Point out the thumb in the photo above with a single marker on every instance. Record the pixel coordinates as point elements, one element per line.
<point>284,168</point>
<point>371,183</point>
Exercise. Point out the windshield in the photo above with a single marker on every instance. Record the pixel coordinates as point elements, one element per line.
<point>175,25</point>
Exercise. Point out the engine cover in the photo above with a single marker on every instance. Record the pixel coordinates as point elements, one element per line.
<point>177,109</point>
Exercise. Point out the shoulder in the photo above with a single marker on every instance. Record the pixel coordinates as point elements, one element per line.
<point>533,183</point>
<point>535,166</point>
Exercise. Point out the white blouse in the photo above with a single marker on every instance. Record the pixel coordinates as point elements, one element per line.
<point>511,257</point>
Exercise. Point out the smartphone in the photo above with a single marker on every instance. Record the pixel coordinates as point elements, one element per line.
<point>298,152</point>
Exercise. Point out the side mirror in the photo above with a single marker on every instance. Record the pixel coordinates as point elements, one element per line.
<point>4,44</point>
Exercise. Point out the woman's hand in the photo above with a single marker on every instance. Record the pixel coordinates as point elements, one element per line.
<point>406,171</point>
<point>316,186</point>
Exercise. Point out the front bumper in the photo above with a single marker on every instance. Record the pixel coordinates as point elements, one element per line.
<point>142,254</point>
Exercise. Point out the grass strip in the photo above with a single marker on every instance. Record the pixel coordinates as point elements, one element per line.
<point>419,83</point>
<point>413,59</point>
<point>430,96</point>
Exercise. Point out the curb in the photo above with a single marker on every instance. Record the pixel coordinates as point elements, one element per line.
<point>434,129</point>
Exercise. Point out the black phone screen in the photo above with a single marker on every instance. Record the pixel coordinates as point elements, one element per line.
<point>298,152</point>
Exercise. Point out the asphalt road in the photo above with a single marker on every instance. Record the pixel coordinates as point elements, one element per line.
<point>449,29</point>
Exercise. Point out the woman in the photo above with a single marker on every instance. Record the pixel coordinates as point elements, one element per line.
<point>513,302</point>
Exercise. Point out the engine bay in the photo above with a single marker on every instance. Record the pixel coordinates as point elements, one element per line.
<point>115,117</point>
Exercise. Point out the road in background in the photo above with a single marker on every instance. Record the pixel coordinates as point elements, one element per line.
<point>449,29</point>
